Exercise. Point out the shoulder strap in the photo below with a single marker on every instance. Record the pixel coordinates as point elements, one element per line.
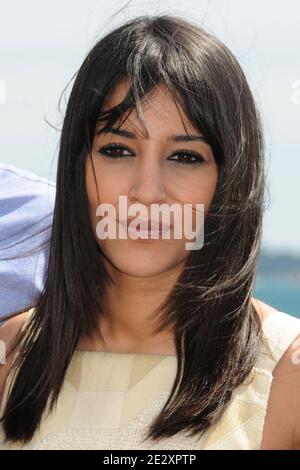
<point>280,330</point>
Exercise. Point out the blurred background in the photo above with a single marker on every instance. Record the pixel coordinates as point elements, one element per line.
<point>42,44</point>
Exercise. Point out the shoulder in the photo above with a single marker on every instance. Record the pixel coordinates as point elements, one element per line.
<point>262,309</point>
<point>26,213</point>
<point>10,173</point>
<point>8,333</point>
<point>282,422</point>
<point>24,198</point>
<point>22,190</point>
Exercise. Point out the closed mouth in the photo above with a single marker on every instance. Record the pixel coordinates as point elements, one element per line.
<point>143,227</point>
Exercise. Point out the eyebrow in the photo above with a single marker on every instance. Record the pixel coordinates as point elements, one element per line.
<point>173,138</point>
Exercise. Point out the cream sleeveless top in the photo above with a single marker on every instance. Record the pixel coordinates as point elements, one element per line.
<point>108,400</point>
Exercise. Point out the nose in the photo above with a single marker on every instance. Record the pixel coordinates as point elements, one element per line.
<point>148,185</point>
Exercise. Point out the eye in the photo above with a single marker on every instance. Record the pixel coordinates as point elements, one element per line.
<point>113,151</point>
<point>186,157</point>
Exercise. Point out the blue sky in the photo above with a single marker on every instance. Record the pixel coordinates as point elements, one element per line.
<point>42,44</point>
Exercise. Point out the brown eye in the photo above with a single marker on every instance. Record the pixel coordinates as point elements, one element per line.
<point>186,157</point>
<point>113,151</point>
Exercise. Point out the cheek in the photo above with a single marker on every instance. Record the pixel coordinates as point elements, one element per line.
<point>200,188</point>
<point>110,182</point>
<point>91,186</point>
<point>199,193</point>
<point>102,186</point>
<point>207,189</point>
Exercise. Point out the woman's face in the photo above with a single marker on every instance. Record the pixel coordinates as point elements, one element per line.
<point>149,171</point>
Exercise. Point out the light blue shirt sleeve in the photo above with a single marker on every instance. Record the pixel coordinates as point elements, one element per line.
<point>26,211</point>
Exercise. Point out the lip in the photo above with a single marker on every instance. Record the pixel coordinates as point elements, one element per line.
<point>158,226</point>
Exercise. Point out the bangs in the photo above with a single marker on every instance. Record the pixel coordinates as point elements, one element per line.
<point>145,69</point>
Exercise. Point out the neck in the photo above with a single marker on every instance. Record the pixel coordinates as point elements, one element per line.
<point>129,304</point>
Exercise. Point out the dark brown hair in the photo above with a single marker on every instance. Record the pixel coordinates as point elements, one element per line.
<point>217,330</point>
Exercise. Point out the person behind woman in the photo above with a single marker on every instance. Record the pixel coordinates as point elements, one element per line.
<point>139,343</point>
<point>26,207</point>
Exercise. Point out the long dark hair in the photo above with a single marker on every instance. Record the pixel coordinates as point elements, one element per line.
<point>217,330</point>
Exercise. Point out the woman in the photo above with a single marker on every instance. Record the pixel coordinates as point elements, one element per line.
<point>140,343</point>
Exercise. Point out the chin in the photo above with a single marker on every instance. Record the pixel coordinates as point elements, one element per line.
<point>141,262</point>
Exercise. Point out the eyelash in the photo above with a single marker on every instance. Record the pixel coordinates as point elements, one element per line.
<point>198,157</point>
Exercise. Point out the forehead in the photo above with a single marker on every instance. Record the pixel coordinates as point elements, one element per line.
<point>160,110</point>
